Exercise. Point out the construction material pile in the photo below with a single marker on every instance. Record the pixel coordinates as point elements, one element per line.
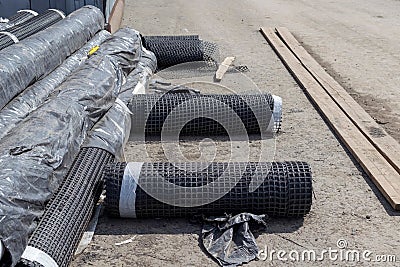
<point>71,94</point>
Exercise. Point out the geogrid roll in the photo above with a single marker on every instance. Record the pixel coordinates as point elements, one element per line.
<point>133,190</point>
<point>18,18</point>
<point>29,27</point>
<point>195,114</point>
<point>174,50</point>
<point>71,205</point>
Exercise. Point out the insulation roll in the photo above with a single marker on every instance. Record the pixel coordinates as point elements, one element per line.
<point>173,50</point>
<point>29,27</point>
<point>66,217</point>
<point>35,95</point>
<point>193,114</point>
<point>31,59</point>
<point>140,190</point>
<point>20,17</point>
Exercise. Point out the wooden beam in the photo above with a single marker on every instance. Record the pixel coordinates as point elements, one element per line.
<point>385,144</point>
<point>222,69</point>
<point>385,177</point>
<point>117,13</point>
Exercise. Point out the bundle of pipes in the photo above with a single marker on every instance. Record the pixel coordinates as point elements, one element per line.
<point>172,114</point>
<point>34,25</point>
<point>31,59</point>
<point>20,17</point>
<point>154,190</point>
<point>35,95</point>
<point>174,50</point>
<point>66,217</point>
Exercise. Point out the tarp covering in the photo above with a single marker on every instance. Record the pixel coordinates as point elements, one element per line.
<point>33,165</point>
<point>55,235</point>
<point>31,59</point>
<point>35,95</point>
<point>113,130</point>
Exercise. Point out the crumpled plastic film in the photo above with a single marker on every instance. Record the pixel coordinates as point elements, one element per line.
<point>31,59</point>
<point>229,240</point>
<point>34,96</point>
<point>36,155</point>
<point>112,132</point>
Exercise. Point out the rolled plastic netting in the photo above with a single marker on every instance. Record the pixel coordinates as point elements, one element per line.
<point>31,26</point>
<point>20,17</point>
<point>31,59</point>
<point>174,50</point>
<point>195,114</point>
<point>155,190</point>
<point>66,217</point>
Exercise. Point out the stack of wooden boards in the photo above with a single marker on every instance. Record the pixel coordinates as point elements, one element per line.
<point>376,151</point>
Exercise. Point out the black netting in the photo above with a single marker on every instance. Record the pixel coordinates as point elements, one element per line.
<point>67,214</point>
<point>18,18</point>
<point>194,114</point>
<point>30,27</point>
<point>285,189</point>
<point>174,50</point>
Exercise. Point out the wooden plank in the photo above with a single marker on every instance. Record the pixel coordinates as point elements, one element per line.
<point>385,144</point>
<point>385,177</point>
<point>117,13</point>
<point>223,68</point>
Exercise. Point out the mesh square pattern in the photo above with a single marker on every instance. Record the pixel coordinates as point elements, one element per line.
<point>30,27</point>
<point>174,50</point>
<point>285,189</point>
<point>68,212</point>
<point>195,114</point>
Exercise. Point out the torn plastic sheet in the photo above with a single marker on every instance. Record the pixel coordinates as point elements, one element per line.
<point>33,165</point>
<point>35,95</point>
<point>28,61</point>
<point>229,240</point>
<point>112,132</point>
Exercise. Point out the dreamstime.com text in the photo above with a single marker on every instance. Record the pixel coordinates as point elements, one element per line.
<point>339,254</point>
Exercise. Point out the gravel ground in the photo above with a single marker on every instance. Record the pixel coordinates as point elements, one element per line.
<point>357,42</point>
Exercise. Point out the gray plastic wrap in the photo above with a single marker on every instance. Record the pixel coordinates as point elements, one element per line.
<point>31,59</point>
<point>35,95</point>
<point>35,156</point>
<point>112,132</point>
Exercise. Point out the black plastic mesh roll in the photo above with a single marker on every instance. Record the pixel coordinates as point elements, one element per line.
<point>30,27</point>
<point>285,189</point>
<point>18,18</point>
<point>72,205</point>
<point>194,114</point>
<point>174,50</point>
